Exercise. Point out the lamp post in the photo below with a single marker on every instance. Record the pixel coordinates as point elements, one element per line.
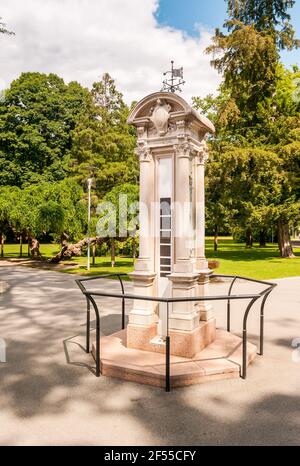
<point>89,183</point>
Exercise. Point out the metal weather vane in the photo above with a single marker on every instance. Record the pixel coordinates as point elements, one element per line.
<point>173,83</point>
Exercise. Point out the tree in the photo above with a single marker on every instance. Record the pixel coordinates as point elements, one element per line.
<point>284,130</point>
<point>254,112</point>
<point>54,209</point>
<point>247,60</point>
<point>217,212</point>
<point>253,188</point>
<point>119,215</point>
<point>37,115</point>
<point>73,250</point>
<point>60,209</point>
<point>267,15</point>
<point>103,143</point>
<point>51,217</point>
<point>248,57</point>
<point>22,219</point>
<point>8,199</point>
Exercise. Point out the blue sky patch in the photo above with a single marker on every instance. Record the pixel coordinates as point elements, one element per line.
<point>185,15</point>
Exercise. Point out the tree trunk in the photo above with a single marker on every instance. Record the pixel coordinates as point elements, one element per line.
<point>113,252</point>
<point>284,240</point>
<point>262,238</point>
<point>249,238</point>
<point>63,237</point>
<point>28,246</point>
<point>2,244</point>
<point>35,248</point>
<point>21,246</point>
<point>94,254</point>
<point>71,250</point>
<point>216,238</point>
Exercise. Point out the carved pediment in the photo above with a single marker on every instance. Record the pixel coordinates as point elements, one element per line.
<point>159,113</point>
<point>145,107</point>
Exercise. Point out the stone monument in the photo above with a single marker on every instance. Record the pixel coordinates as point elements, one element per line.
<point>172,151</point>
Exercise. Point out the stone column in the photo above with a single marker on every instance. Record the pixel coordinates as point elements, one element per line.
<point>145,260</point>
<point>143,312</point>
<point>183,316</point>
<point>182,214</point>
<point>205,309</point>
<point>200,209</point>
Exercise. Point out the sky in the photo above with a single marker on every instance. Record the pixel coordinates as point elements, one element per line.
<point>133,40</point>
<point>181,15</point>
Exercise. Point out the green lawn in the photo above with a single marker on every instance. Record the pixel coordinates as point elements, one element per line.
<point>12,251</point>
<point>234,258</point>
<point>103,266</point>
<point>260,263</point>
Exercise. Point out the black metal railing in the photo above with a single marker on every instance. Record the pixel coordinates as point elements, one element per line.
<point>264,294</point>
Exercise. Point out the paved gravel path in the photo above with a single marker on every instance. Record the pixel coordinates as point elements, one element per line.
<point>49,395</point>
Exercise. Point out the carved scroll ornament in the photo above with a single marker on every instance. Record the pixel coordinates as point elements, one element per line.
<point>160,115</point>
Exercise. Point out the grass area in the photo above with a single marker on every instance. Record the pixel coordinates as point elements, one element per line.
<point>234,258</point>
<point>260,263</point>
<point>12,251</point>
<point>103,266</point>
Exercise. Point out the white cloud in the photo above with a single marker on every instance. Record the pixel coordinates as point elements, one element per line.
<point>81,39</point>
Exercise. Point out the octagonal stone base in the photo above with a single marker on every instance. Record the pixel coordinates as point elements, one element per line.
<point>184,344</point>
<point>220,360</point>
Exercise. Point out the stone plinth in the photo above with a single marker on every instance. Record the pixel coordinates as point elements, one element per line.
<point>184,344</point>
<point>220,360</point>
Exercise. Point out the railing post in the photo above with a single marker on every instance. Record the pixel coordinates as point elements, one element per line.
<point>88,325</point>
<point>97,348</point>
<point>244,363</point>
<point>123,302</point>
<point>229,306</point>
<point>97,356</point>
<point>261,333</point>
<point>168,355</point>
<point>168,384</point>
<point>123,313</point>
<point>245,353</point>
<point>262,324</point>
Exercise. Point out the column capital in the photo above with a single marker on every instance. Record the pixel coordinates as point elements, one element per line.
<point>201,153</point>
<point>144,153</point>
<point>182,148</point>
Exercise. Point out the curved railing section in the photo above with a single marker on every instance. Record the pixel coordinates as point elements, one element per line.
<point>229,297</point>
